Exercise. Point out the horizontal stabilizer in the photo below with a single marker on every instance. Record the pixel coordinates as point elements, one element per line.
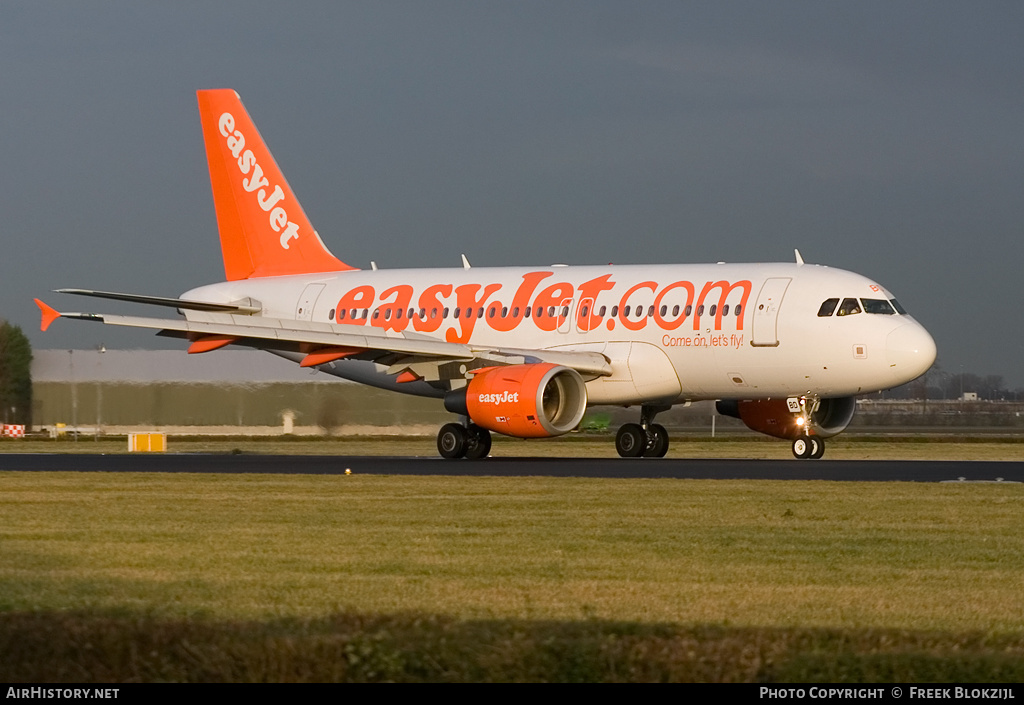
<point>50,314</point>
<point>247,307</point>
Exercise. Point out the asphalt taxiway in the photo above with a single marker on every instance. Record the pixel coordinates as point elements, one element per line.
<point>702,469</point>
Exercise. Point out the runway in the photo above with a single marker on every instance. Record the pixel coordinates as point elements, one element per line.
<point>622,468</point>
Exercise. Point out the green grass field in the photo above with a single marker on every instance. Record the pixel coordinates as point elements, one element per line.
<point>399,578</point>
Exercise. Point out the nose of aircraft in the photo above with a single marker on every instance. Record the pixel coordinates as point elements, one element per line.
<point>910,351</point>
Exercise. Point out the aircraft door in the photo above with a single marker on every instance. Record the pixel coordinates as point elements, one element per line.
<point>564,316</point>
<point>766,312</point>
<point>304,309</point>
<point>585,316</point>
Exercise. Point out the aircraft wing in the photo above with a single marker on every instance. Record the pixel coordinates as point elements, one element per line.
<point>322,342</point>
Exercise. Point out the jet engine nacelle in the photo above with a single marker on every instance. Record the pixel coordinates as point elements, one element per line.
<point>527,401</point>
<point>774,417</point>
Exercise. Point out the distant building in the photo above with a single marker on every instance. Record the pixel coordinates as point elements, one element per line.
<point>236,391</point>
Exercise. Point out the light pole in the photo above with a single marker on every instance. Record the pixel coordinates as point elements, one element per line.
<point>961,388</point>
<point>99,393</point>
<point>74,393</point>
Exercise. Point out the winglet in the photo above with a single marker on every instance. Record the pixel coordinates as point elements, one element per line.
<point>50,314</point>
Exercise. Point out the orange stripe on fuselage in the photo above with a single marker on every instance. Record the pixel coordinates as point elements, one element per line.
<point>390,309</point>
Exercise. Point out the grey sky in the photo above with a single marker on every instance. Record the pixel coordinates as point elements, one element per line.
<point>882,137</point>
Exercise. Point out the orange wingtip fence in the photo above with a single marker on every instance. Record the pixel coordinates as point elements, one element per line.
<point>50,314</point>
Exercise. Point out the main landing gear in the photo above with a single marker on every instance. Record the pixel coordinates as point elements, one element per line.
<point>646,439</point>
<point>811,447</point>
<point>458,441</point>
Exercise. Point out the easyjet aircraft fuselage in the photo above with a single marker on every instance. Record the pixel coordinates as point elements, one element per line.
<point>672,333</point>
<point>524,350</point>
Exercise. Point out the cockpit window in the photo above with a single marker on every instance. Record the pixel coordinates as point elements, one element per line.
<point>878,306</point>
<point>828,306</point>
<point>849,307</point>
<point>899,309</point>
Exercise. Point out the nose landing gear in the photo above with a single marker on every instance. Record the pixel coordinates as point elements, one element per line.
<point>806,446</point>
<point>811,447</point>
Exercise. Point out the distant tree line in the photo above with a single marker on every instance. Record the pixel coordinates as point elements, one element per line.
<point>15,375</point>
<point>940,384</point>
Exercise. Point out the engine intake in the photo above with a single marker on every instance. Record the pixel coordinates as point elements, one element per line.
<point>773,417</point>
<point>526,401</point>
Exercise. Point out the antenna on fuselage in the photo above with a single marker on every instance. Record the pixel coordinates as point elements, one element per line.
<point>465,262</point>
<point>799,259</point>
<point>373,265</point>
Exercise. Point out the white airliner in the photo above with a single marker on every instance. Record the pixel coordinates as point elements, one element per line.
<point>523,351</point>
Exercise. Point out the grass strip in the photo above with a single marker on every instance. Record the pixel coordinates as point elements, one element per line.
<point>134,576</point>
<point>91,648</point>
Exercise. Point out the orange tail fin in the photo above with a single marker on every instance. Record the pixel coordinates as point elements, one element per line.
<point>263,229</point>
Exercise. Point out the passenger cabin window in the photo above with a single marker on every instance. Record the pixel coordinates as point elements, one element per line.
<point>849,307</point>
<point>828,307</point>
<point>881,306</point>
